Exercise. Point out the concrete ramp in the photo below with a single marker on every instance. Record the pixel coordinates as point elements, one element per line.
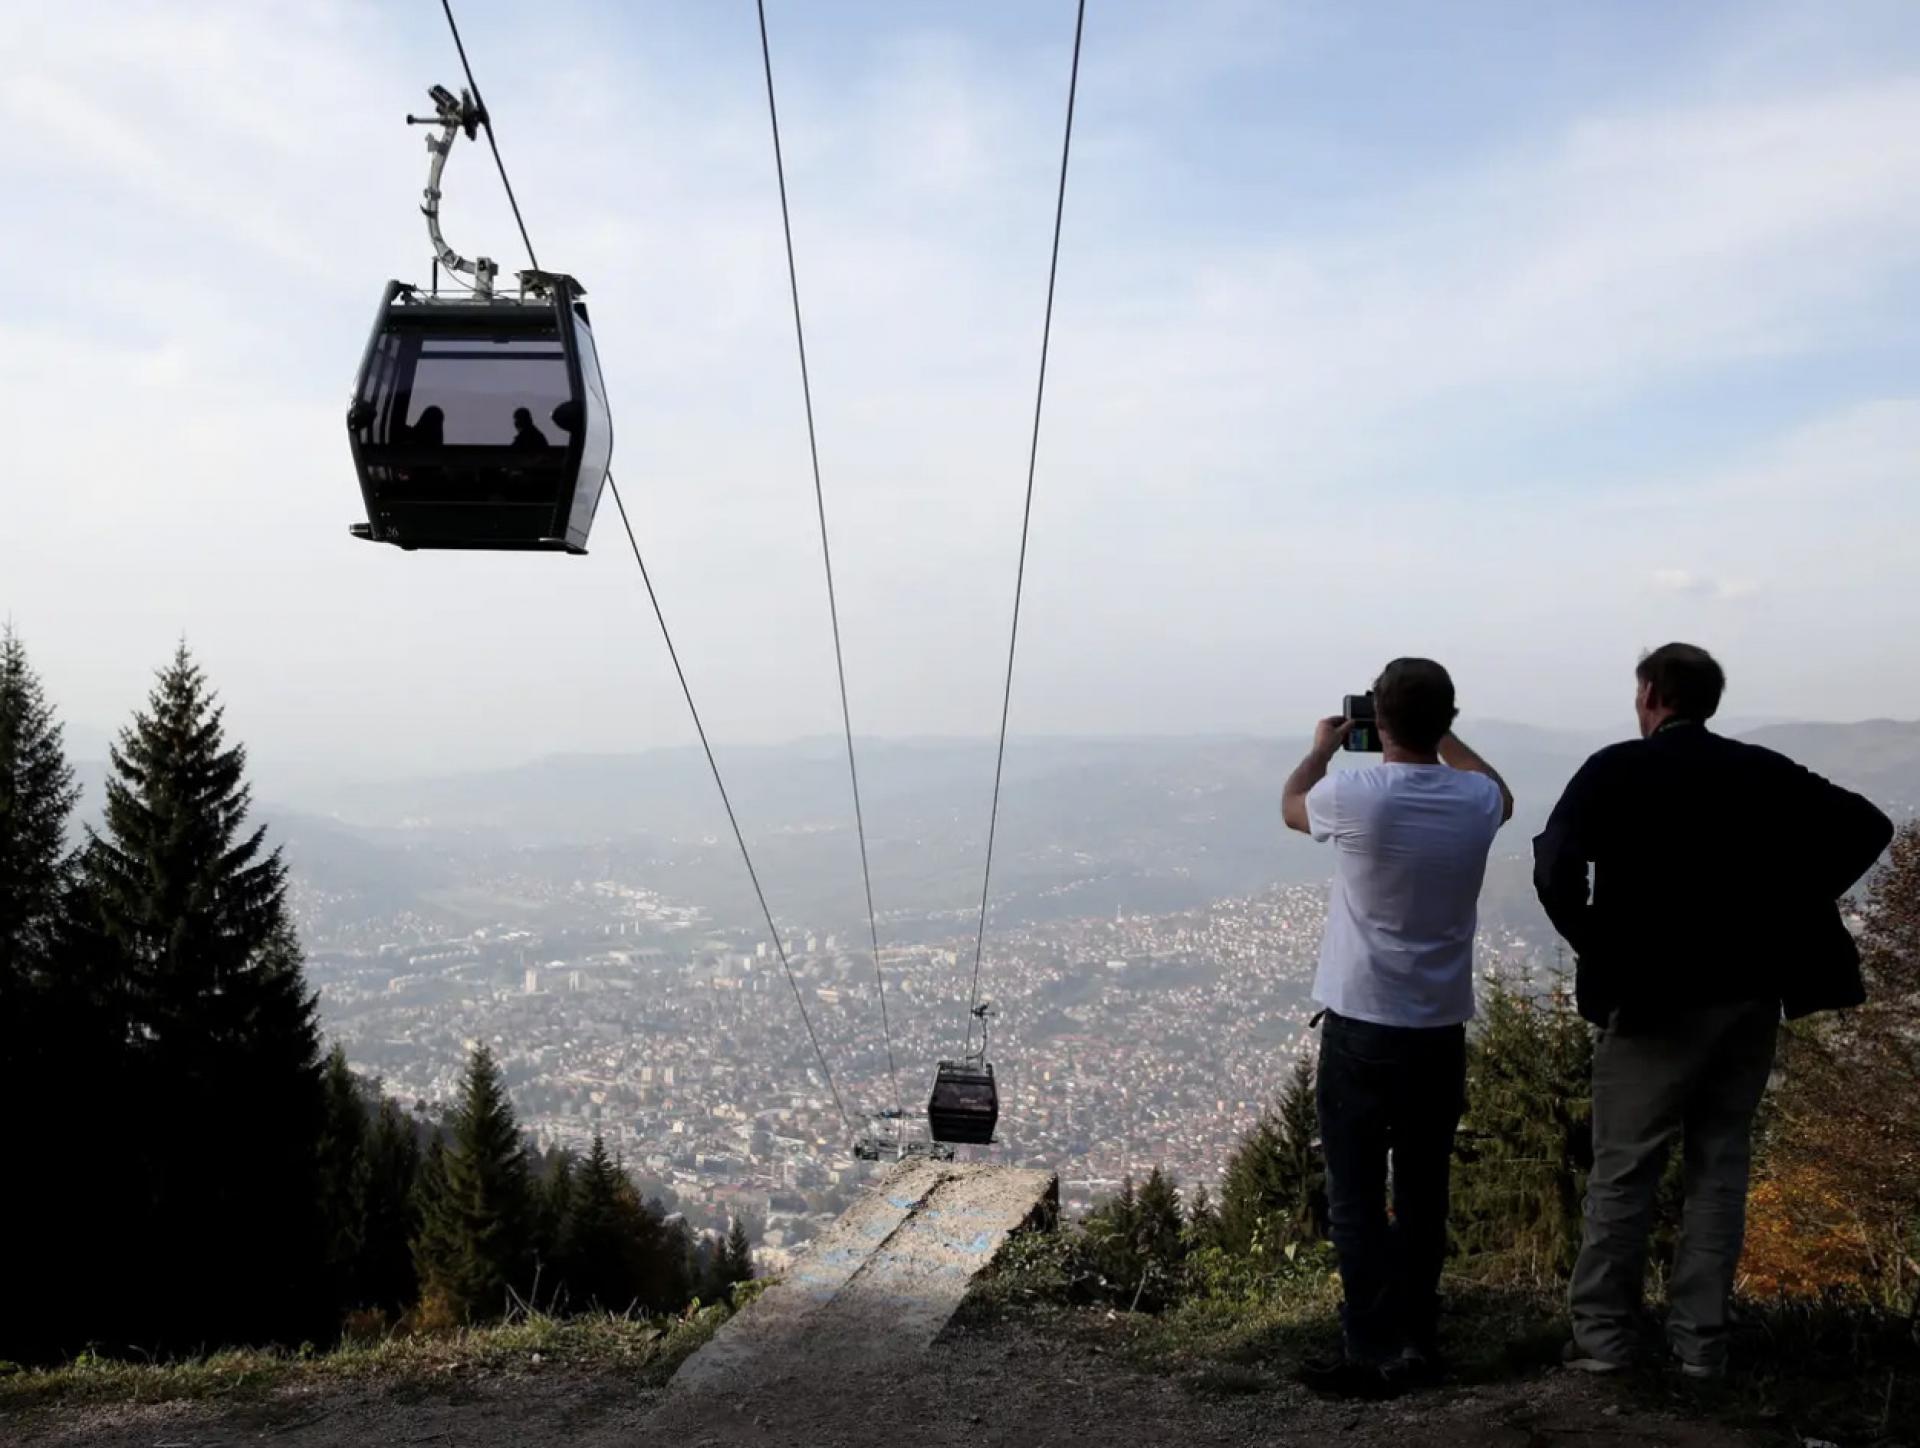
<point>877,1286</point>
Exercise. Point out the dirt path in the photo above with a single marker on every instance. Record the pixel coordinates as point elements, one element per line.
<point>1002,1385</point>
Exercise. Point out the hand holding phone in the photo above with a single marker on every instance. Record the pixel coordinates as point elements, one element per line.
<point>1364,736</point>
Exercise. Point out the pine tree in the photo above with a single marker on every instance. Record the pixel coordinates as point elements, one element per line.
<point>224,1075</point>
<point>476,1244</point>
<point>1203,1221</point>
<point>1274,1192</point>
<point>1159,1243</point>
<point>387,1277</point>
<point>1303,1174</point>
<point>37,795</point>
<point>602,1258</point>
<point>683,1267</point>
<point>50,1028</point>
<point>737,1255</point>
<point>1110,1233</point>
<point>553,1215</point>
<point>1158,1227</point>
<point>433,1242</point>
<point>344,1181</point>
<point>1526,1141</point>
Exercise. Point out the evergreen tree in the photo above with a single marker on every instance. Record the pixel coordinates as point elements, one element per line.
<point>608,1248</point>
<point>553,1214</point>
<point>737,1255</point>
<point>1203,1222</point>
<point>432,1242</point>
<point>387,1278</point>
<point>1274,1192</point>
<point>49,1026</point>
<point>1159,1242</point>
<point>344,1180</point>
<point>1110,1230</point>
<point>681,1271</point>
<point>37,795</point>
<point>476,1242</point>
<point>1157,1229</point>
<point>1526,1142</point>
<point>191,917</point>
<point>342,1187</point>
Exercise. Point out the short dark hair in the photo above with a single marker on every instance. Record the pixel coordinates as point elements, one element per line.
<point>1413,700</point>
<point>1685,679</point>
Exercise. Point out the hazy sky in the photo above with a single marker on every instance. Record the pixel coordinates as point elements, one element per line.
<point>1522,335</point>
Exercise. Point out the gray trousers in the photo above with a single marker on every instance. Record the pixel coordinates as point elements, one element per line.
<point>1698,1075</point>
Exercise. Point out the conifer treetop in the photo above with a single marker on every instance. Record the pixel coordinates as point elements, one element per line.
<point>37,795</point>
<point>182,881</point>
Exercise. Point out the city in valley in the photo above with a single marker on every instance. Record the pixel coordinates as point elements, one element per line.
<point>1121,1042</point>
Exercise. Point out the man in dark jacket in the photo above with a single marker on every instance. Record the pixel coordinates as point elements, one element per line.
<point>1716,871</point>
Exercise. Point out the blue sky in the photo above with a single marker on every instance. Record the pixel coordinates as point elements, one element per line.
<point>1522,335</point>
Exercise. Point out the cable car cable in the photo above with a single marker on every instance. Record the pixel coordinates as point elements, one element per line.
<point>1026,518</point>
<point>486,124</point>
<point>826,553</point>
<point>666,634</point>
<point>739,838</point>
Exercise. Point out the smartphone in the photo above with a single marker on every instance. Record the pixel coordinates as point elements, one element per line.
<point>1364,737</point>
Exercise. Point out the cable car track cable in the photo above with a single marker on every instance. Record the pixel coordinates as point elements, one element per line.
<point>1026,518</point>
<point>720,784</point>
<point>486,124</point>
<point>666,634</point>
<point>826,552</point>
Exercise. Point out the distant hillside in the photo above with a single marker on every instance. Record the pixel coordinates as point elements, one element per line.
<point>1880,757</point>
<point>1088,825</point>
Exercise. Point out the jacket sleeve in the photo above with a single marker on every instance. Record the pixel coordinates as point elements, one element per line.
<point>1846,832</point>
<point>1561,853</point>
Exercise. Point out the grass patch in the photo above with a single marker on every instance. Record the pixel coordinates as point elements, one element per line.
<point>649,1348</point>
<point>1842,1373</point>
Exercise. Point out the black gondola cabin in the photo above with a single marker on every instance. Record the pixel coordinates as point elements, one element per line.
<point>965,1105</point>
<point>481,422</point>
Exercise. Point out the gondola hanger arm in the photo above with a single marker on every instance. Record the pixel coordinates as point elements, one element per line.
<point>452,115</point>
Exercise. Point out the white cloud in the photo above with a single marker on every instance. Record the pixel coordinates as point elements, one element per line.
<point>1695,585</point>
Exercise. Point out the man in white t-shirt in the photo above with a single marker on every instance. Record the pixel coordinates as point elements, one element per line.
<point>1410,837</point>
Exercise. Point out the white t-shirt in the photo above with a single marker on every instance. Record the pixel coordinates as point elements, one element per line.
<point>1410,852</point>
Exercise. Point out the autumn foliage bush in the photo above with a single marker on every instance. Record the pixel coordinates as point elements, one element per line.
<point>1835,1209</point>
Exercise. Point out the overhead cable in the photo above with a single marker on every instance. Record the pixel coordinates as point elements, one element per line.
<point>740,839</point>
<point>826,552</point>
<point>1026,519</point>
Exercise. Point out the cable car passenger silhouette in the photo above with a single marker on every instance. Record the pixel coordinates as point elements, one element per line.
<point>527,437</point>
<point>430,430</point>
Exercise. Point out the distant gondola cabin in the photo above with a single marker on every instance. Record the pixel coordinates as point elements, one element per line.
<point>965,1105</point>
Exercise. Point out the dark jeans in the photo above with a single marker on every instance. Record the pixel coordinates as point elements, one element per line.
<point>1389,1091</point>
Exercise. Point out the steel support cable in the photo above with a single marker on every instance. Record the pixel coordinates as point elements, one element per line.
<point>1026,519</point>
<point>666,634</point>
<point>739,838</point>
<point>826,552</point>
<point>486,124</point>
